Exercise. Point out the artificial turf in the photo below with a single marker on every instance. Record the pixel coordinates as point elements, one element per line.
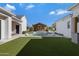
<point>47,46</point>
<point>12,48</point>
<point>50,46</point>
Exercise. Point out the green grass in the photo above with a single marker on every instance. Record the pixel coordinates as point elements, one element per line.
<point>11,48</point>
<point>47,46</point>
<point>50,47</point>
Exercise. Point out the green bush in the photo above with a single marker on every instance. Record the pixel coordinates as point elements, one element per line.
<point>24,32</point>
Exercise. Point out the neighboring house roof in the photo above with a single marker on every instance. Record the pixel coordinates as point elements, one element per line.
<point>39,24</point>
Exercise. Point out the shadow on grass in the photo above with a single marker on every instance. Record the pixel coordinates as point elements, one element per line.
<point>50,46</point>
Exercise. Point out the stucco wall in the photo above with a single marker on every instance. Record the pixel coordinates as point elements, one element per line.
<point>2,29</point>
<point>24,23</point>
<point>61,26</point>
<point>9,23</point>
<point>76,13</point>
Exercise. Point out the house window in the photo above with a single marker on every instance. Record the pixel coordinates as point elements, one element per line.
<point>68,24</point>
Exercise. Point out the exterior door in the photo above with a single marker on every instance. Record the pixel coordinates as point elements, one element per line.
<point>17,29</point>
<point>75,24</point>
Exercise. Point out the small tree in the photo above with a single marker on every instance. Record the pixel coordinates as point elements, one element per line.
<point>54,27</point>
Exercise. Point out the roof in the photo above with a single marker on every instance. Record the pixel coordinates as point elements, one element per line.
<point>19,16</point>
<point>39,24</point>
<point>69,10</point>
<point>4,11</point>
<point>8,13</point>
<point>73,6</point>
<point>3,16</point>
<point>62,18</point>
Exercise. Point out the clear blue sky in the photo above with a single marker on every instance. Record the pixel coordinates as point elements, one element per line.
<point>46,13</point>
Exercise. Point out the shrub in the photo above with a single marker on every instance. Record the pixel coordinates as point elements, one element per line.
<point>24,32</point>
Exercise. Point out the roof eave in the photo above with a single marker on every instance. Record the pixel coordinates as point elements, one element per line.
<point>73,6</point>
<point>7,11</point>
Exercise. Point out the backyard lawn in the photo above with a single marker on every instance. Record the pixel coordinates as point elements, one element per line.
<point>52,46</point>
<point>11,48</point>
<point>47,46</point>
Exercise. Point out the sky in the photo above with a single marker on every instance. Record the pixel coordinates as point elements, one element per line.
<point>46,13</point>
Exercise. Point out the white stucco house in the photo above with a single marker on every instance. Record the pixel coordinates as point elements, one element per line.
<point>63,26</point>
<point>75,23</point>
<point>11,24</point>
<point>69,25</point>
